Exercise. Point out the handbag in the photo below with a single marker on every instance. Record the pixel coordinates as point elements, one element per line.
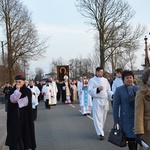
<point>117,136</point>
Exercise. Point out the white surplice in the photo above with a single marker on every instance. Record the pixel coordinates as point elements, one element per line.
<point>100,102</point>
<point>48,92</point>
<point>116,83</point>
<point>36,92</point>
<point>85,104</point>
<point>79,87</point>
<point>55,90</point>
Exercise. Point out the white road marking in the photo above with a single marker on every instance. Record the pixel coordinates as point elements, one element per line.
<point>79,110</point>
<point>72,105</point>
<point>87,115</point>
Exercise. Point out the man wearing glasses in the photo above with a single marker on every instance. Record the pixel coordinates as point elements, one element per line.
<point>20,124</point>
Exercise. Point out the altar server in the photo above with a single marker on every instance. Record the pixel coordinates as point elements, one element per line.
<point>35,93</point>
<point>47,91</point>
<point>99,89</point>
<point>55,90</point>
<point>86,100</point>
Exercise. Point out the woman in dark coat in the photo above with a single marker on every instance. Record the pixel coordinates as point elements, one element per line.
<point>123,107</point>
<point>20,124</point>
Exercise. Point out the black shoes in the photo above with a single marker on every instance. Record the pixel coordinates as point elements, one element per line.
<point>101,137</point>
<point>86,114</point>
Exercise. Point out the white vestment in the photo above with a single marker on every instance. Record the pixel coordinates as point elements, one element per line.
<point>55,90</point>
<point>86,102</point>
<point>100,101</point>
<point>35,94</point>
<point>116,83</point>
<point>74,87</point>
<point>48,92</point>
<point>79,87</point>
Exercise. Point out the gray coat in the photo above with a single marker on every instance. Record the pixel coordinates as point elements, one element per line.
<point>123,109</point>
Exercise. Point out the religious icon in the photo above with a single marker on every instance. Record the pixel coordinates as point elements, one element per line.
<point>62,71</point>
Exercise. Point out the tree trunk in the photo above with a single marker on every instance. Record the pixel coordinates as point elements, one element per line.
<point>10,52</point>
<point>102,49</point>
<point>11,75</point>
<point>112,63</point>
<point>10,64</point>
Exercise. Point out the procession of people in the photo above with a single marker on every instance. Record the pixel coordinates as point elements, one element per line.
<point>94,96</point>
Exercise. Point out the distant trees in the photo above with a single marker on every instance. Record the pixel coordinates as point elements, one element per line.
<point>56,62</point>
<point>39,74</point>
<point>22,41</point>
<point>77,66</point>
<point>111,19</point>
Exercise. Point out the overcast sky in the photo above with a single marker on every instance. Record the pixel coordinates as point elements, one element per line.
<point>70,36</point>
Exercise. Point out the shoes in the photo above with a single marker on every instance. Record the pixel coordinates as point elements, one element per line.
<point>101,137</point>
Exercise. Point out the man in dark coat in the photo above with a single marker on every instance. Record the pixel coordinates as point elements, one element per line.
<point>66,91</point>
<point>20,124</point>
<point>6,90</point>
<point>59,90</point>
<point>40,86</point>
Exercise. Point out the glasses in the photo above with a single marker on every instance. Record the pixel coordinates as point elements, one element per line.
<point>18,81</point>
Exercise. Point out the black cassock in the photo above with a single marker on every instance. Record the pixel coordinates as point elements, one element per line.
<point>20,124</point>
<point>59,91</point>
<point>64,92</point>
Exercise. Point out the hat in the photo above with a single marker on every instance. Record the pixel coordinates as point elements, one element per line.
<point>48,80</point>
<point>20,77</point>
<point>65,77</point>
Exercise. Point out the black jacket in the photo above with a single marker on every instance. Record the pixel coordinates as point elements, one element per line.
<point>20,124</point>
<point>6,91</point>
<point>64,92</point>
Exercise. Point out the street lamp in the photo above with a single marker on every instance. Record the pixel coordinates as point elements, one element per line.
<point>146,53</point>
<point>3,54</point>
<point>2,45</point>
<point>80,67</point>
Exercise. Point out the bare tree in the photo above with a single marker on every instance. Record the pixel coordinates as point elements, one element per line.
<point>21,35</point>
<point>75,68</point>
<point>39,74</point>
<point>111,19</point>
<point>80,67</point>
<point>131,61</point>
<point>56,62</point>
<point>94,61</point>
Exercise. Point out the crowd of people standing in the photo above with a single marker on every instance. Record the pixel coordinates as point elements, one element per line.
<point>129,104</point>
<point>21,104</point>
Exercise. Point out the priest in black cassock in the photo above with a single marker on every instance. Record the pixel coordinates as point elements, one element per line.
<point>66,91</point>
<point>20,124</point>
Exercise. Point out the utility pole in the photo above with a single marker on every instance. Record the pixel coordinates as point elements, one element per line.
<point>80,69</point>
<point>2,45</point>
<point>146,53</point>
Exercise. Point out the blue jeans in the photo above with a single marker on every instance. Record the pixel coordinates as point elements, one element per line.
<point>2,100</point>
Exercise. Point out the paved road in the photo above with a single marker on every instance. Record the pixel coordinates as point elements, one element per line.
<point>64,128</point>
